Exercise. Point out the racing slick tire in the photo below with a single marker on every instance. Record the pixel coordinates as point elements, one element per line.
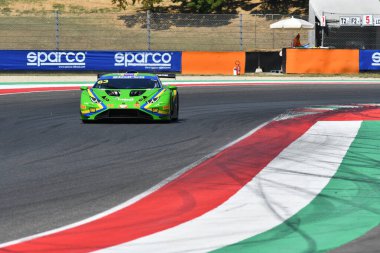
<point>85,121</point>
<point>175,109</point>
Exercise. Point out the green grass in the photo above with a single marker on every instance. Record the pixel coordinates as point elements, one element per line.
<point>5,8</point>
<point>6,2</point>
<point>6,11</point>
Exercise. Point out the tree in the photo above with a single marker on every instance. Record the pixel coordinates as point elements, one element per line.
<point>225,6</point>
<point>203,6</point>
<point>147,4</point>
<point>284,6</point>
<point>195,6</point>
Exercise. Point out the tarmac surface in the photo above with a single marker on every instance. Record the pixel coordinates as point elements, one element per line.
<point>56,170</point>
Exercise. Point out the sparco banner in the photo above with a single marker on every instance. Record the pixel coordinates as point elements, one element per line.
<point>37,60</point>
<point>369,60</point>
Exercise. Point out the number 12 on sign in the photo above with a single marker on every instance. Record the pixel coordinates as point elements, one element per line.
<point>350,21</point>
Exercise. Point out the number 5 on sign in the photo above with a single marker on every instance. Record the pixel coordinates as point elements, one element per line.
<point>367,20</point>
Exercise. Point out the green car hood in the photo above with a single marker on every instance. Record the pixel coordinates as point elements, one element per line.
<point>124,97</point>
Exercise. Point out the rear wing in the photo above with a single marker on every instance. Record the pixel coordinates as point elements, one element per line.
<point>166,75</point>
<point>99,75</point>
<point>160,75</point>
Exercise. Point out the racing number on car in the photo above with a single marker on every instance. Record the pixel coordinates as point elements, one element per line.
<point>102,81</point>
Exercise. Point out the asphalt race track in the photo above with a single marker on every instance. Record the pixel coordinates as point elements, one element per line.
<point>56,170</point>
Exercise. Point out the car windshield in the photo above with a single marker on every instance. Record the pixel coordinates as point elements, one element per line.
<point>127,84</point>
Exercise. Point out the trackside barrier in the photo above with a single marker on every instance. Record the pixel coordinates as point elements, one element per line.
<point>369,60</point>
<point>212,63</point>
<point>81,61</point>
<point>322,61</point>
<point>295,60</point>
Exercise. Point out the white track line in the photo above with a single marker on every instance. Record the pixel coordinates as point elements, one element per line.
<point>33,86</point>
<point>204,83</point>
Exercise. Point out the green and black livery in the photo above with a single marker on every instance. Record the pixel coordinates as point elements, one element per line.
<point>129,96</point>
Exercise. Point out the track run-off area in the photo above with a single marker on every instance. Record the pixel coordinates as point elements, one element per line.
<point>251,166</point>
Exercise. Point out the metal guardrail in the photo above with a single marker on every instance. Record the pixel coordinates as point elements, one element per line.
<point>144,31</point>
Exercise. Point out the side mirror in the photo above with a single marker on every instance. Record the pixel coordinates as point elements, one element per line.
<point>172,87</point>
<point>83,87</point>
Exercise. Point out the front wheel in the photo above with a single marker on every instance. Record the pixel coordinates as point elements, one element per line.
<point>175,109</point>
<point>86,121</point>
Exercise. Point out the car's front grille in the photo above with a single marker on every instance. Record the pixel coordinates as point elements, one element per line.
<point>123,114</point>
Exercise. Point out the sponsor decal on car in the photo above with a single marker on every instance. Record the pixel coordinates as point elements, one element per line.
<point>105,98</point>
<point>129,77</point>
<point>125,99</point>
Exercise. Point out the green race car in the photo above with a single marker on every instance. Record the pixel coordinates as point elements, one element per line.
<point>129,96</point>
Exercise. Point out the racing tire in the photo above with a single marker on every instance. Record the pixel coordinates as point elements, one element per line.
<point>175,109</point>
<point>85,121</point>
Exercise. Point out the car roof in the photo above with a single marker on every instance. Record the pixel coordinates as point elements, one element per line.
<point>128,76</point>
